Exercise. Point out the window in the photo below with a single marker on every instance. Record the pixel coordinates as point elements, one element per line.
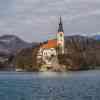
<point>61,35</point>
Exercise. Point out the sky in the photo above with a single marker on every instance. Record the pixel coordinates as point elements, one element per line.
<point>37,20</point>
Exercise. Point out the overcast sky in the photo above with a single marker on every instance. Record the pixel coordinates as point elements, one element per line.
<point>37,20</point>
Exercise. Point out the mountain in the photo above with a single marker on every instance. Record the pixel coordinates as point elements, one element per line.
<point>78,38</point>
<point>11,43</point>
<point>83,41</point>
<point>82,52</point>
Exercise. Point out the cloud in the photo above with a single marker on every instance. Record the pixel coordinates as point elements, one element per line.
<point>30,19</point>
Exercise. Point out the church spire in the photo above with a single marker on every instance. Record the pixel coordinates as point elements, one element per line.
<point>60,28</point>
<point>60,38</point>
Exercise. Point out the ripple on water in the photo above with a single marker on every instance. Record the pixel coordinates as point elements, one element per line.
<point>50,86</point>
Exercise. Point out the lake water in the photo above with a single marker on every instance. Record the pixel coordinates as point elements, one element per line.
<point>50,86</point>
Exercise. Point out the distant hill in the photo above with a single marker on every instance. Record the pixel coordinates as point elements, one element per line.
<point>83,41</point>
<point>9,46</point>
<point>11,43</point>
<point>78,38</point>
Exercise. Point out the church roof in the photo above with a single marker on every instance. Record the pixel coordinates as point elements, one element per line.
<point>50,44</point>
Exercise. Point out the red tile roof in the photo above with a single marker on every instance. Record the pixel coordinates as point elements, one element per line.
<point>50,44</point>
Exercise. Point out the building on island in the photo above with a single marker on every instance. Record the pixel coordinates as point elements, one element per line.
<point>47,54</point>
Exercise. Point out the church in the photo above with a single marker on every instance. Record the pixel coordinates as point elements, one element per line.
<point>49,50</point>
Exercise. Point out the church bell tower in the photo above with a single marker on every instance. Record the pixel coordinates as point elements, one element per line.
<point>60,38</point>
